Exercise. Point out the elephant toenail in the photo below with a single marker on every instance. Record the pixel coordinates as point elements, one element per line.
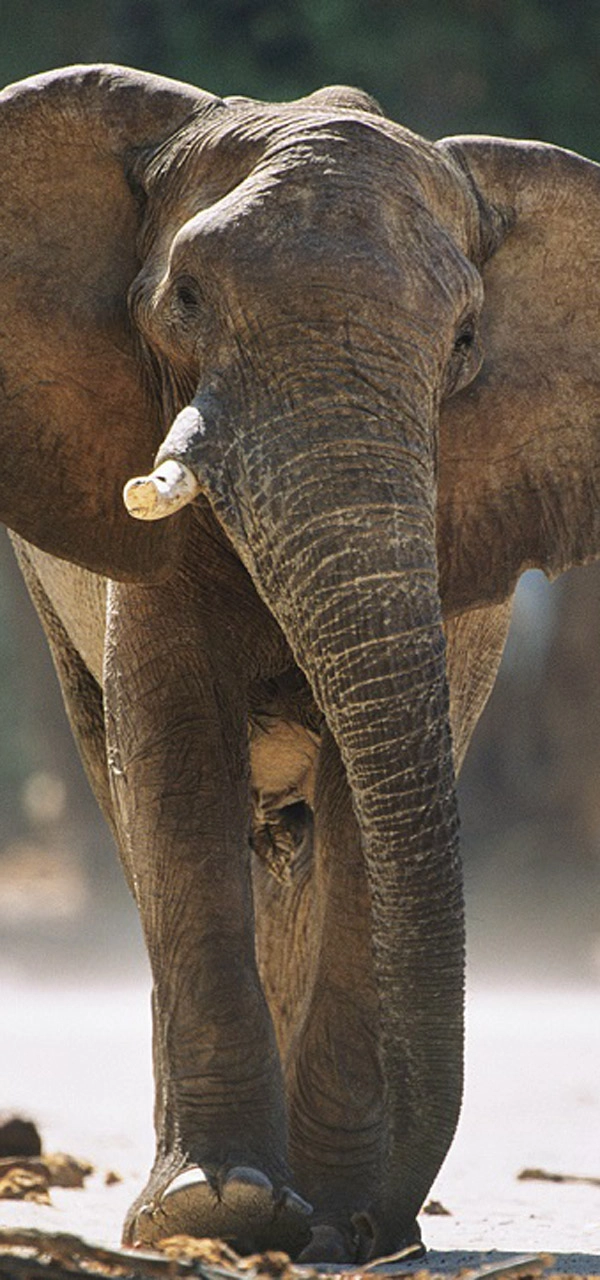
<point>291,1200</point>
<point>188,1178</point>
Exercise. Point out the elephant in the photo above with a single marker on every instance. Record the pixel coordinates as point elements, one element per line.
<point>291,396</point>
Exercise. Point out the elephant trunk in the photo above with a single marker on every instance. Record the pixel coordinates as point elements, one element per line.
<point>339,539</point>
<point>354,587</point>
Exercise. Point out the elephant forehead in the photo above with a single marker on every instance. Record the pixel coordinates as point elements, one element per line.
<point>290,171</point>
<point>297,219</point>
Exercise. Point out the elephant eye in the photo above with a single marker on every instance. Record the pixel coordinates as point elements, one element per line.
<point>465,359</point>
<point>187,295</point>
<point>465,337</point>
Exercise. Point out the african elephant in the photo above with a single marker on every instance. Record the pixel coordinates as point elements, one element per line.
<point>296,297</point>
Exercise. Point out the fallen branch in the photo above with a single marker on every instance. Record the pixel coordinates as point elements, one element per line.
<point>58,1255</point>
<point>541,1175</point>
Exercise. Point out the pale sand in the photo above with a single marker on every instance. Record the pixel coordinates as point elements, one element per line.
<point>78,1061</point>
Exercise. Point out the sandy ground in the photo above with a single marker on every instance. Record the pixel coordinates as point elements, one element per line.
<point>78,1060</point>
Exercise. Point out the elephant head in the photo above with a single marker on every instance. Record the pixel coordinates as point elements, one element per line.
<point>312,290</point>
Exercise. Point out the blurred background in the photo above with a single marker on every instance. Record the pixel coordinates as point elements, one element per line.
<point>530,790</point>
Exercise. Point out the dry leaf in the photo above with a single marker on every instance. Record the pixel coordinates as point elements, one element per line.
<point>29,1177</point>
<point>20,1183</point>
<point>66,1171</point>
<point>213,1253</point>
<point>272,1263</point>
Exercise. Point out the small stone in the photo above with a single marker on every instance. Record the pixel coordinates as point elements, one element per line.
<point>436,1209</point>
<point>18,1136</point>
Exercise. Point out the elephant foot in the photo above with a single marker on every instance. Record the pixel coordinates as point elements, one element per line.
<point>380,1243</point>
<point>354,1241</point>
<point>241,1206</point>
<point>329,1244</point>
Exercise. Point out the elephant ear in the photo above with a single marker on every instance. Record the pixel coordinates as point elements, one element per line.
<point>519,473</point>
<point>75,419</point>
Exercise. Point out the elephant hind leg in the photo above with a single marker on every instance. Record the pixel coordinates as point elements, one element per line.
<point>284,744</point>
<point>314,947</point>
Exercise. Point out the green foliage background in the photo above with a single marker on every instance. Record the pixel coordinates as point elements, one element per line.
<point>520,67</point>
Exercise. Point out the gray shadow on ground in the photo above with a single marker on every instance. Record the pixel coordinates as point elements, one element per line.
<point>496,1262</point>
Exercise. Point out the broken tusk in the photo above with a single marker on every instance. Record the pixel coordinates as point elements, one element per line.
<point>171,486</point>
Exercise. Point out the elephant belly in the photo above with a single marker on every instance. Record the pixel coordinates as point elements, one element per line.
<point>78,599</point>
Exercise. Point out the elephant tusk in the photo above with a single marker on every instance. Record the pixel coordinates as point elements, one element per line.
<point>171,486</point>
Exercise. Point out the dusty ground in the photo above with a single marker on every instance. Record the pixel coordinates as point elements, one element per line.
<point>78,1060</point>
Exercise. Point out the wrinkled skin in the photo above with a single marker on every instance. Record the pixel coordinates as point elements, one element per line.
<point>385,353</point>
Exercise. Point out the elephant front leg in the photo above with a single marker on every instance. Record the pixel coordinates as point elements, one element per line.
<point>177,751</point>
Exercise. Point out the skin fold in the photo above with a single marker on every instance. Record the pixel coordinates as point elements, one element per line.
<point>373,359</point>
